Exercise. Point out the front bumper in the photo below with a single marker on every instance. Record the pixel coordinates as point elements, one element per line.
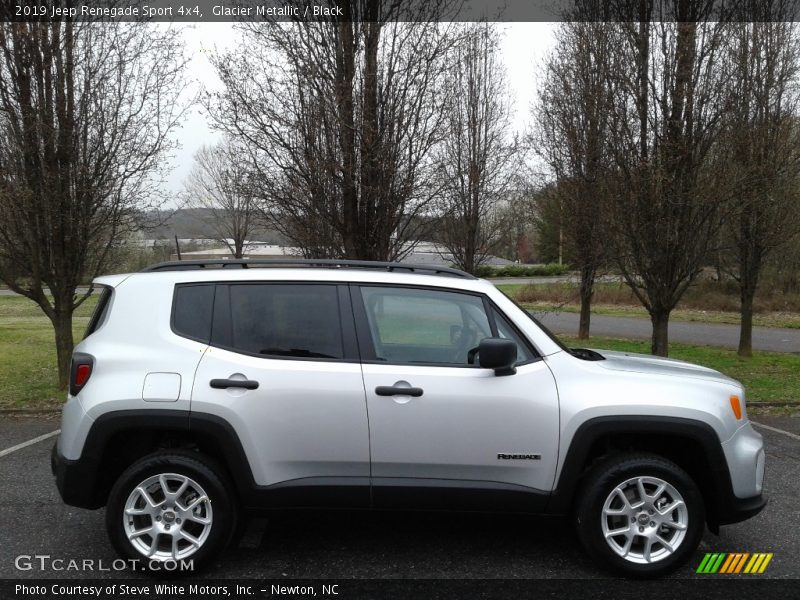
<point>745,458</point>
<point>736,510</point>
<point>76,480</point>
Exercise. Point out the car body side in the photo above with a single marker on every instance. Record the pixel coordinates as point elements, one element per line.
<point>145,380</point>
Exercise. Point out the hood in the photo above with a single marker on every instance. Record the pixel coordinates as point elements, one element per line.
<point>656,365</point>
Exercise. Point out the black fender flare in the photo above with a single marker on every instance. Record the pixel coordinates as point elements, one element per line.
<point>718,489</point>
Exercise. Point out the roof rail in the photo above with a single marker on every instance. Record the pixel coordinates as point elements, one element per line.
<point>246,263</point>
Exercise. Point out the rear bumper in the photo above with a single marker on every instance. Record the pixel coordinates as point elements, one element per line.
<point>75,480</point>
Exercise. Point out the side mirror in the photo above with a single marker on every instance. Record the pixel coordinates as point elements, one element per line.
<point>499,354</point>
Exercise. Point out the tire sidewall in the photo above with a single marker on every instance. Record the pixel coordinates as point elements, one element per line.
<point>206,475</point>
<point>597,490</point>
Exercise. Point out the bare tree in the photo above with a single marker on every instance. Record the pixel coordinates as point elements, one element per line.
<point>572,117</point>
<point>86,110</point>
<point>340,117</point>
<point>219,185</point>
<point>762,148</point>
<point>477,157</point>
<point>669,97</point>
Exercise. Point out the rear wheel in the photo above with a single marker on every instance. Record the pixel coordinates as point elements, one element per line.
<point>170,507</point>
<point>640,515</point>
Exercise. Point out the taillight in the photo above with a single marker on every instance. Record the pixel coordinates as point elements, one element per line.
<point>80,372</point>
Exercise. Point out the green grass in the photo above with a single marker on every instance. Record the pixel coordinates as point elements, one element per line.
<point>767,376</point>
<point>28,371</point>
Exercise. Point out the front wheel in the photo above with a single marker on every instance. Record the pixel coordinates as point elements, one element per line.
<point>171,507</point>
<point>640,515</point>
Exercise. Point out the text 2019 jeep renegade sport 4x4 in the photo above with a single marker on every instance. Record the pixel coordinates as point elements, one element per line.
<point>202,393</point>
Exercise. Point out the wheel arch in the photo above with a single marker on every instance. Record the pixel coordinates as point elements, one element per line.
<point>118,438</point>
<point>693,445</point>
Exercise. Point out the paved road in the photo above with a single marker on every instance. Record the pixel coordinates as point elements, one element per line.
<point>371,545</point>
<point>773,339</point>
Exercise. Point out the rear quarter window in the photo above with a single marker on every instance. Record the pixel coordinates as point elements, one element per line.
<point>192,309</point>
<point>101,310</point>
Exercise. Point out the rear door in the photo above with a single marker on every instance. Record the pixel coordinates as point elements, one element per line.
<point>283,370</point>
<point>460,436</point>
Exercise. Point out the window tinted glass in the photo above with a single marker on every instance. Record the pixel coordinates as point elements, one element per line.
<point>286,320</point>
<point>424,326</point>
<point>504,330</point>
<point>100,312</point>
<point>192,316</point>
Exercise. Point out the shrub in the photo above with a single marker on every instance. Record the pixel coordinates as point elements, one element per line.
<point>547,270</point>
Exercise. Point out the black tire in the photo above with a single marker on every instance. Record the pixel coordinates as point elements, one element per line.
<point>198,468</point>
<point>601,481</point>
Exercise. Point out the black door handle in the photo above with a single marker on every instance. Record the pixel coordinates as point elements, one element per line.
<point>221,384</point>
<point>391,390</point>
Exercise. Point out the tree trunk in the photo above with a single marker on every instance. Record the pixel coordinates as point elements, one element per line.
<point>586,293</point>
<point>345,68</point>
<point>659,345</point>
<point>62,326</point>
<point>746,322</point>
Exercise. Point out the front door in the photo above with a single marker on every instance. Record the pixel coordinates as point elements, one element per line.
<point>442,429</point>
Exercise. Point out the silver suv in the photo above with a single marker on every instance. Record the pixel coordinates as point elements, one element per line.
<point>204,391</point>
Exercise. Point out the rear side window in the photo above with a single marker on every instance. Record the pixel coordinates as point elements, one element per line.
<point>100,311</point>
<point>277,320</point>
<point>191,311</point>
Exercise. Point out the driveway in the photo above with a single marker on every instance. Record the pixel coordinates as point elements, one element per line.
<point>33,521</point>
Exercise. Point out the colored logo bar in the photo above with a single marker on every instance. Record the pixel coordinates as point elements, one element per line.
<point>732,563</point>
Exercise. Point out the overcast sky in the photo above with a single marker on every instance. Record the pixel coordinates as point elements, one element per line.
<point>524,47</point>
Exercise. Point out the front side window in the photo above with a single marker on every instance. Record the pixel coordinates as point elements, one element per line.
<point>425,326</point>
<point>284,320</point>
<point>506,331</point>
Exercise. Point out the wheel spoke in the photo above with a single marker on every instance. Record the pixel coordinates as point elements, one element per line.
<point>642,493</point>
<point>620,531</point>
<point>669,509</point>
<point>195,502</point>
<point>665,543</point>
<point>627,547</point>
<point>140,532</point>
<point>648,546</point>
<point>147,497</point>
<point>176,495</point>
<point>162,481</point>
<point>625,501</point>
<point>659,491</point>
<point>190,538</point>
<point>198,519</point>
<point>138,511</point>
<point>674,525</point>
<point>153,546</point>
<point>616,511</point>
